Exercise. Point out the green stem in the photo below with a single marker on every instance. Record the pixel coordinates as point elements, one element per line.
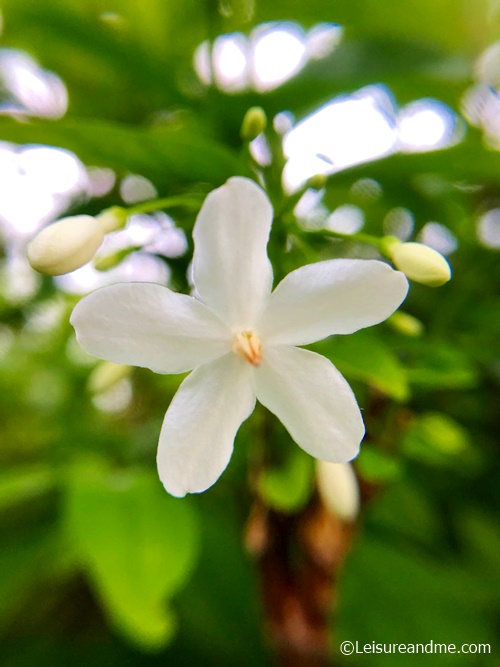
<point>167,202</point>
<point>358,238</point>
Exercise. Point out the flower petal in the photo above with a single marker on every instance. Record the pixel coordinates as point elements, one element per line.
<point>232,272</point>
<point>338,296</point>
<point>196,440</point>
<point>312,399</point>
<point>143,324</point>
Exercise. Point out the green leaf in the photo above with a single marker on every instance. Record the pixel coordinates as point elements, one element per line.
<point>138,543</point>
<point>26,483</point>
<point>449,24</point>
<point>410,597</point>
<point>376,466</point>
<point>25,562</point>
<point>437,439</point>
<point>439,366</point>
<point>363,356</point>
<point>407,511</point>
<point>481,541</point>
<point>289,487</point>
<point>162,154</point>
<point>468,161</point>
<point>118,64</point>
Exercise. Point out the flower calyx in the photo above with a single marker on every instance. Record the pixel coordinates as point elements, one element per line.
<point>112,219</point>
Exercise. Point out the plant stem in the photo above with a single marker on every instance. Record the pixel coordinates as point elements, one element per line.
<point>299,558</point>
<point>358,238</point>
<point>167,202</point>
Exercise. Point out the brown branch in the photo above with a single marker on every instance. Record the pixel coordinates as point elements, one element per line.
<point>299,559</point>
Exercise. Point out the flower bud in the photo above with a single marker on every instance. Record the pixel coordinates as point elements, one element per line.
<point>65,245</point>
<point>105,376</point>
<point>254,122</point>
<point>420,263</point>
<point>338,488</point>
<point>406,324</point>
<point>317,182</point>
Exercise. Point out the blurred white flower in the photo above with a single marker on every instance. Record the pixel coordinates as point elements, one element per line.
<point>241,339</point>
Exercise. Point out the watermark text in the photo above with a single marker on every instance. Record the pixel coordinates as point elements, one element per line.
<point>351,648</point>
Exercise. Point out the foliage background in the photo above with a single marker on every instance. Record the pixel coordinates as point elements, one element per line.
<point>98,565</point>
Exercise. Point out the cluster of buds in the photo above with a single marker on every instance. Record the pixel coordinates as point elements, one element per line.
<point>71,242</point>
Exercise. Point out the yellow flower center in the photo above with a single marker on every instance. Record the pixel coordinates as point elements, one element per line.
<point>247,344</point>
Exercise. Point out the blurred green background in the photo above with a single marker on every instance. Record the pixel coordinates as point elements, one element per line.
<point>98,565</point>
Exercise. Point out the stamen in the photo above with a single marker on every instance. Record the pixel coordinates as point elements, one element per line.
<point>248,346</point>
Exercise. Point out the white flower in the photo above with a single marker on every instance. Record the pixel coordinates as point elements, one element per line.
<point>241,340</point>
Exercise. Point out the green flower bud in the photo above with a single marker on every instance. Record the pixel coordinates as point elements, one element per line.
<point>420,263</point>
<point>254,122</point>
<point>105,376</point>
<point>317,182</point>
<point>65,245</point>
<point>406,324</point>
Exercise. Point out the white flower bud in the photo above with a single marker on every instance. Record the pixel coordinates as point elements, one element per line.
<point>105,376</point>
<point>254,122</point>
<point>338,488</point>
<point>65,245</point>
<point>420,263</point>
